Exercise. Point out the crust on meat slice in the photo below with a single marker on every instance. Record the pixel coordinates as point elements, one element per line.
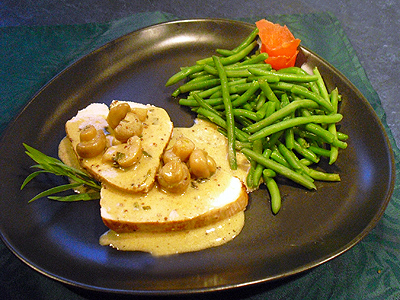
<point>203,203</point>
<point>157,211</point>
<point>157,130</point>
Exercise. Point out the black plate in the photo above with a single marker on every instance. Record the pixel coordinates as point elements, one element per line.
<point>60,240</point>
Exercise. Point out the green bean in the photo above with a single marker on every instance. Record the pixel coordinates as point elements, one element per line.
<point>255,60</point>
<point>236,88</point>
<point>289,138</point>
<point>288,156</point>
<point>224,52</point>
<point>259,168</point>
<point>302,142</point>
<point>323,133</point>
<point>268,172</point>
<point>284,76</point>
<point>202,77</point>
<point>230,121</point>
<point>314,88</point>
<point>285,124</point>
<point>238,73</point>
<point>204,104</point>
<point>320,151</point>
<point>245,113</point>
<point>293,70</point>
<point>278,168</point>
<point>241,141</point>
<point>273,189</point>
<point>306,153</point>
<point>253,180</point>
<point>227,60</point>
<point>197,74</point>
<point>297,89</point>
<point>273,139</point>
<point>282,86</point>
<point>218,120</point>
<point>266,88</point>
<point>241,46</point>
<point>289,133</point>
<point>240,145</point>
<point>342,136</point>
<point>247,41</point>
<point>280,114</point>
<point>253,87</point>
<point>293,161</point>
<point>321,86</point>
<point>279,158</point>
<point>318,175</point>
<point>211,70</point>
<point>319,131</point>
<point>262,111</point>
<point>332,128</point>
<point>270,109</point>
<point>176,93</point>
<point>268,78</point>
<point>247,66</point>
<point>334,152</point>
<point>209,92</point>
<point>261,99</point>
<point>250,105</point>
<point>194,103</point>
<point>183,74</point>
<point>243,121</point>
<point>306,162</point>
<point>284,100</point>
<point>306,134</point>
<point>199,85</point>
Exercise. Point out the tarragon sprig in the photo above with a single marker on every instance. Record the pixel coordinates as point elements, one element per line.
<point>47,164</point>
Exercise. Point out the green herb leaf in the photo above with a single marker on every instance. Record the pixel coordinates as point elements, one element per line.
<point>48,164</point>
<point>30,177</point>
<point>54,190</point>
<point>77,197</point>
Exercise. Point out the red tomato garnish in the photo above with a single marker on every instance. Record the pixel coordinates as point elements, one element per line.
<point>280,62</point>
<point>286,49</point>
<point>279,43</point>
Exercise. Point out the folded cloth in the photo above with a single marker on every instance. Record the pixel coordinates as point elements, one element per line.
<point>31,56</point>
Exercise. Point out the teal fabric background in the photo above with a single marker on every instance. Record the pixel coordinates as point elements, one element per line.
<point>31,56</point>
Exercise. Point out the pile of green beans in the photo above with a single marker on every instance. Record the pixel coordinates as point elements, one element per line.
<point>283,121</point>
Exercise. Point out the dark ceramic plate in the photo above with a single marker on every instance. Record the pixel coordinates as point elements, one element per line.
<point>60,240</point>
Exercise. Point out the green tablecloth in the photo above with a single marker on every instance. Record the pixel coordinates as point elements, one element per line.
<point>31,56</point>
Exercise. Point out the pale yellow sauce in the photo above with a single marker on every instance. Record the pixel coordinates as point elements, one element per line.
<point>140,177</point>
<point>167,243</point>
<point>165,209</point>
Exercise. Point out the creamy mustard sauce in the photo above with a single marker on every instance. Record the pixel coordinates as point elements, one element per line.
<point>205,136</point>
<point>167,243</point>
<point>164,210</point>
<point>160,211</point>
<point>158,207</point>
<point>140,177</point>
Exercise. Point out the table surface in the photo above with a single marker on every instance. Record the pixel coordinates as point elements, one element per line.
<point>371,26</point>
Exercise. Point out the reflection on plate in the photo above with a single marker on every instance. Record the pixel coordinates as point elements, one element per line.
<point>60,240</point>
